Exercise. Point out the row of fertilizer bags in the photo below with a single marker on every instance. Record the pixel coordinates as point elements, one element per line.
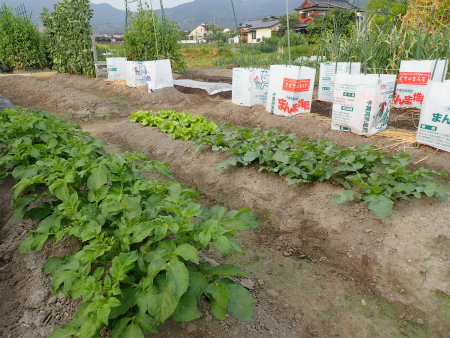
<point>155,74</point>
<point>361,103</point>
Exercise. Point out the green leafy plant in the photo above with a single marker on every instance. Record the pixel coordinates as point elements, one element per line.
<point>21,45</point>
<point>68,37</point>
<point>184,125</point>
<point>142,42</point>
<point>139,263</point>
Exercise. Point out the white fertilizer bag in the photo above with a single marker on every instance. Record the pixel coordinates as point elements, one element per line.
<point>362,103</point>
<point>116,68</point>
<point>328,72</point>
<point>135,73</point>
<point>290,90</point>
<point>434,122</point>
<point>158,75</point>
<point>413,78</point>
<point>250,86</point>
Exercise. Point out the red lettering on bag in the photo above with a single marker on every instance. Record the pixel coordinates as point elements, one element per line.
<point>413,78</point>
<point>296,86</point>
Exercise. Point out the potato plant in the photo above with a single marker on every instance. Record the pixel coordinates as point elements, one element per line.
<point>139,264</point>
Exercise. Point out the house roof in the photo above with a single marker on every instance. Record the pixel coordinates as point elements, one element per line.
<point>307,4</point>
<point>260,23</point>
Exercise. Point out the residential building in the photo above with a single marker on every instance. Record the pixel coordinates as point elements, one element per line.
<point>313,9</point>
<point>258,29</point>
<point>199,33</point>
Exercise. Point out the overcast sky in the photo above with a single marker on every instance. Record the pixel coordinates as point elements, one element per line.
<point>120,4</point>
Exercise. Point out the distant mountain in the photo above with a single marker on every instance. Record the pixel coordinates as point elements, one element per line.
<point>108,19</point>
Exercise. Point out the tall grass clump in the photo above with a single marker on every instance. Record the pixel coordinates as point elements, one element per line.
<point>381,48</point>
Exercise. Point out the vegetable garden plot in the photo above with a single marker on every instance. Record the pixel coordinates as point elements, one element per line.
<point>413,78</point>
<point>141,237</point>
<point>116,69</point>
<point>362,103</point>
<point>434,123</point>
<point>290,90</point>
<point>250,86</point>
<point>328,72</point>
<point>269,193</point>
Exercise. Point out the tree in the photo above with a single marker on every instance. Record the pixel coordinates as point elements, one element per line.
<point>338,20</point>
<point>21,44</point>
<point>68,37</point>
<point>143,42</point>
<point>387,9</point>
<point>294,21</point>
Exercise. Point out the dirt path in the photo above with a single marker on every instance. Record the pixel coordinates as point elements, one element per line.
<point>319,269</point>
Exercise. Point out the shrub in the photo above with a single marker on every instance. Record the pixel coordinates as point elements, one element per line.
<point>68,37</point>
<point>21,45</point>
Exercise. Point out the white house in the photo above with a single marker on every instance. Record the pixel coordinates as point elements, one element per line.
<point>258,29</point>
<point>199,33</point>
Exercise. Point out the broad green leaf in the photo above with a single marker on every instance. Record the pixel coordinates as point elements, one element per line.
<point>97,179</point>
<point>281,156</point>
<point>90,329</point>
<point>126,302</point>
<point>223,244</point>
<point>156,266</point>
<point>227,270</point>
<point>66,331</point>
<point>163,169</point>
<point>25,246</point>
<point>217,212</point>
<point>21,207</point>
<point>343,196</point>
<point>380,205</point>
<point>62,192</point>
<point>204,238</point>
<point>175,191</point>
<point>192,210</point>
<point>177,277</point>
<point>250,156</point>
<point>197,283</point>
<point>162,305</point>
<point>187,309</point>
<point>146,322</point>
<point>122,264</point>
<point>98,273</point>
<point>218,296</point>
<point>188,252</point>
<point>52,264</point>
<point>39,212</point>
<point>236,223</point>
<point>82,287</point>
<point>241,304</point>
<point>119,327</point>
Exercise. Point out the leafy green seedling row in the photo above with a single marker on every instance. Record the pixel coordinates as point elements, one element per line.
<point>368,175</point>
<point>139,263</point>
<point>184,125</point>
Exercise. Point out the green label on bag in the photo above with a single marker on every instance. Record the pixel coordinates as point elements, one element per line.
<point>347,108</point>
<point>427,127</point>
<point>349,94</point>
<point>326,88</point>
